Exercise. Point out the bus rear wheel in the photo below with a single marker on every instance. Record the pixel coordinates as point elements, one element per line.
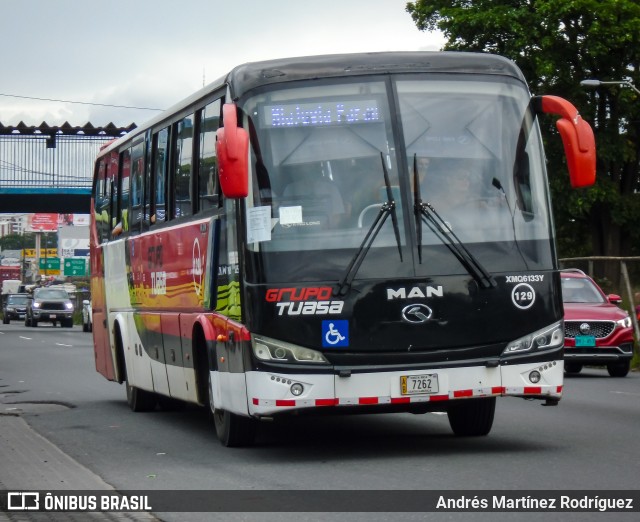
<point>140,400</point>
<point>472,417</point>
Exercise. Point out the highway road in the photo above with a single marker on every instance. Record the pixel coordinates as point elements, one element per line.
<point>588,442</point>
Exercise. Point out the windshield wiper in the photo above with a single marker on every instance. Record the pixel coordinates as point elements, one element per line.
<point>387,209</point>
<point>425,212</point>
<point>496,183</point>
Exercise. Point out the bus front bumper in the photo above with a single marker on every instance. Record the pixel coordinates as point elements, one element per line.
<point>270,393</point>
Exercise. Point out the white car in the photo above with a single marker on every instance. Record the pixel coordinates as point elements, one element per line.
<point>87,316</point>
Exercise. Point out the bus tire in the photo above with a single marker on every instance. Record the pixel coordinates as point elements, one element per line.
<point>137,399</point>
<point>140,400</point>
<point>234,430</point>
<point>472,417</point>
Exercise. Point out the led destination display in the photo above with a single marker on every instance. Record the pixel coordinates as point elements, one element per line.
<point>321,113</point>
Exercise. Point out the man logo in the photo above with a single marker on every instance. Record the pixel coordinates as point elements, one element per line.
<point>416,314</point>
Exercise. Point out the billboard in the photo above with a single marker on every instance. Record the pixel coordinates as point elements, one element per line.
<point>43,223</point>
<point>51,222</point>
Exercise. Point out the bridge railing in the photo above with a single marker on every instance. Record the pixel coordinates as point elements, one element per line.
<point>27,162</point>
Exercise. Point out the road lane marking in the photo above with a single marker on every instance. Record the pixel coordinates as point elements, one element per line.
<point>60,344</point>
<point>27,338</point>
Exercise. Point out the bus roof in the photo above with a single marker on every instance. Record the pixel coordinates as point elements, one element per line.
<point>248,76</point>
<point>251,75</point>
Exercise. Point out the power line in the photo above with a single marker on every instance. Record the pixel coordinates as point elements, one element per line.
<point>80,103</point>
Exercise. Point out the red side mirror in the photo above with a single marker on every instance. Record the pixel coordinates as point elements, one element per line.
<point>614,298</point>
<point>577,138</point>
<point>232,148</point>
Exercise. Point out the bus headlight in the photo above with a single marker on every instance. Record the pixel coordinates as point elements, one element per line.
<point>267,349</point>
<point>545,339</point>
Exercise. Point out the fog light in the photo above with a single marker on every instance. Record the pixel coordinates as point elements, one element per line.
<point>297,389</point>
<point>534,376</point>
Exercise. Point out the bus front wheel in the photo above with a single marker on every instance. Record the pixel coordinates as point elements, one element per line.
<point>233,430</point>
<point>472,417</point>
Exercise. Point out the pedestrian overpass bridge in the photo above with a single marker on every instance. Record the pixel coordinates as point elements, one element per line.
<point>50,168</point>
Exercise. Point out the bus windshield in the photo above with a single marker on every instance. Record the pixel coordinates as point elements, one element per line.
<point>467,148</point>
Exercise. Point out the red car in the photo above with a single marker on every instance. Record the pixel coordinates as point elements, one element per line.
<point>596,330</point>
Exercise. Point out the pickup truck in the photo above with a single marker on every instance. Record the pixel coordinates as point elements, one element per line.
<point>49,304</point>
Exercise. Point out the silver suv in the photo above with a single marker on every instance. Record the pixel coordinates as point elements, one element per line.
<point>49,304</point>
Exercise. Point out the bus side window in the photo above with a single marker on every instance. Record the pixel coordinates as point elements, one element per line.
<point>121,218</point>
<point>208,185</point>
<point>160,171</point>
<point>148,186</point>
<point>101,201</point>
<point>136,187</point>
<point>112,189</point>
<point>182,182</point>
<point>522,179</point>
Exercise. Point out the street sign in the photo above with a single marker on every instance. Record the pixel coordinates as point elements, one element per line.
<point>30,253</point>
<point>50,263</point>
<point>75,267</point>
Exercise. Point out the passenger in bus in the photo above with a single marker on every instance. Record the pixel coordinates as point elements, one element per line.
<point>457,191</point>
<point>449,187</point>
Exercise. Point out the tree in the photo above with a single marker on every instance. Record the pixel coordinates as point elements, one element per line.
<point>17,241</point>
<point>558,43</point>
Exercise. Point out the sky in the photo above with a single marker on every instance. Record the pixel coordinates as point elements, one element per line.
<point>153,53</point>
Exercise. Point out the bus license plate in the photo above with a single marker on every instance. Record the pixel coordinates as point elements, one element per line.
<point>419,384</point>
<point>585,340</point>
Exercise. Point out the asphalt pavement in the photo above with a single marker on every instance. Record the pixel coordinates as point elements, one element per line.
<point>29,462</point>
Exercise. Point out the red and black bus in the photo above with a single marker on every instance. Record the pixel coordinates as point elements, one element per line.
<point>346,233</point>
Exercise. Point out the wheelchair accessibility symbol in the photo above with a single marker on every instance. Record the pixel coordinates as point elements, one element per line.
<point>335,334</point>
